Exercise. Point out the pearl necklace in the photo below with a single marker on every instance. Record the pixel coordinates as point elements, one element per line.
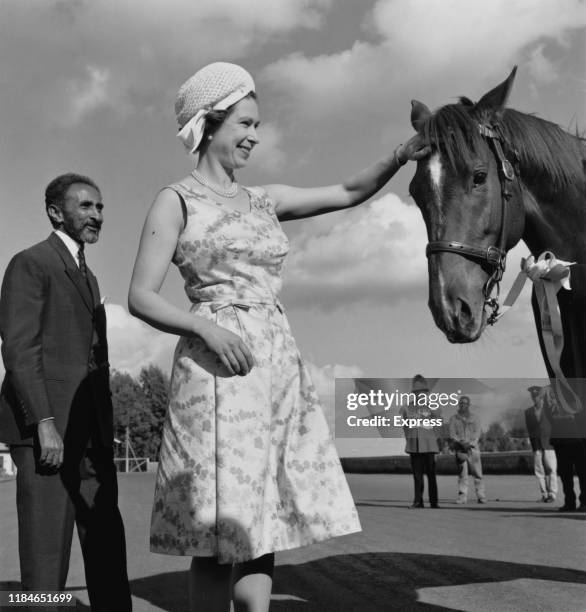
<point>228,192</point>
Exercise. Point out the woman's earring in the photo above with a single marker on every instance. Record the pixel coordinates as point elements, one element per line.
<point>210,136</point>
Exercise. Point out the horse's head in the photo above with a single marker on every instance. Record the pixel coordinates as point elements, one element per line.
<point>459,189</point>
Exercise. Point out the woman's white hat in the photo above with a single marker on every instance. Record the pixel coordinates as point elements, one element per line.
<point>216,86</point>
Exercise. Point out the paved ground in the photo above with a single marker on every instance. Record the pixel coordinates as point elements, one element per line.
<point>512,555</point>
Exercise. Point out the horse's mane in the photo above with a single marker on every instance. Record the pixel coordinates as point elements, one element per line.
<point>542,147</point>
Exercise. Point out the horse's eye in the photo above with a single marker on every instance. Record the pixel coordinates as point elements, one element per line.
<point>479,178</point>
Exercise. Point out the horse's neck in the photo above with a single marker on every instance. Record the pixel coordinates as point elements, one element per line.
<point>552,170</point>
<point>555,220</point>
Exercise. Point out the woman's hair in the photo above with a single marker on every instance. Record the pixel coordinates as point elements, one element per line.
<point>215,118</point>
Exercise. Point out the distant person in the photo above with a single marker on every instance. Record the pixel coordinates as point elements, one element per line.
<point>570,450</point>
<point>56,406</point>
<point>544,459</point>
<point>464,433</point>
<point>422,443</point>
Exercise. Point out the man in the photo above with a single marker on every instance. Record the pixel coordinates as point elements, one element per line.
<point>544,459</point>
<point>421,443</point>
<point>464,433</point>
<point>568,431</point>
<point>55,404</point>
<point>570,450</point>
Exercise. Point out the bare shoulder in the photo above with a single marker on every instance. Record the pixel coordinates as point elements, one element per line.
<point>168,206</point>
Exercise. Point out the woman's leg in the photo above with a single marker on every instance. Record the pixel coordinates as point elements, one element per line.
<point>251,584</point>
<point>209,585</point>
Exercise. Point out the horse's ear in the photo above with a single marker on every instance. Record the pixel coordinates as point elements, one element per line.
<point>419,114</point>
<point>496,99</point>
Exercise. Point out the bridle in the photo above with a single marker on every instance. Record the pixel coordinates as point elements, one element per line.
<point>493,256</point>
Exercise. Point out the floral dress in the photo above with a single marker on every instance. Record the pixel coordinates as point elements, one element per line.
<point>247,465</point>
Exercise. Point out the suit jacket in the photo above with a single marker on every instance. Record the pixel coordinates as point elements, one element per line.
<point>54,347</point>
<point>539,429</point>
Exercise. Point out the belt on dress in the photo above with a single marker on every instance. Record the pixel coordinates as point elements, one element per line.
<point>215,306</point>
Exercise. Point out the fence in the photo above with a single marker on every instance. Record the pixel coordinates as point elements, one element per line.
<point>133,464</point>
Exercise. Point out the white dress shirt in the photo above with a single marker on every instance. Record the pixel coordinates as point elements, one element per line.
<point>70,243</point>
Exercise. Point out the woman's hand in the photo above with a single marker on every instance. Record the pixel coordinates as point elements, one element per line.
<point>229,349</point>
<point>413,150</point>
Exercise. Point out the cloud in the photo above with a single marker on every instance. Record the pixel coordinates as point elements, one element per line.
<point>423,46</point>
<point>268,156</point>
<point>328,85</point>
<point>133,344</point>
<point>370,253</point>
<point>86,95</point>
<point>111,54</point>
<point>541,68</point>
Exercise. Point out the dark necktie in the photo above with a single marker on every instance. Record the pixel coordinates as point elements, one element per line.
<point>83,269</point>
<point>94,359</point>
<point>81,260</point>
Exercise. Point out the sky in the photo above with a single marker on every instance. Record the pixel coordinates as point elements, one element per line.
<point>89,86</point>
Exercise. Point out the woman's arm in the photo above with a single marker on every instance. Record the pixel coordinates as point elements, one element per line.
<point>157,246</point>
<point>296,203</point>
<point>158,241</point>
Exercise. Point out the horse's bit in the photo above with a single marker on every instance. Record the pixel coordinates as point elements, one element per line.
<point>494,256</point>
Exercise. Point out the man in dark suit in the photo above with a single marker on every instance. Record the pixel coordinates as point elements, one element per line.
<point>55,404</point>
<point>544,458</point>
<point>568,432</point>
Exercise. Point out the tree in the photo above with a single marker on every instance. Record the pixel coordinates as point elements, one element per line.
<point>519,438</point>
<point>496,438</point>
<point>155,388</point>
<point>129,411</point>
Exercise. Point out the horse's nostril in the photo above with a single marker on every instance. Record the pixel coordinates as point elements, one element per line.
<point>464,312</point>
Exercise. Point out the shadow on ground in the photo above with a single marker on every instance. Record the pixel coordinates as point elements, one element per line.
<point>545,511</point>
<point>367,582</point>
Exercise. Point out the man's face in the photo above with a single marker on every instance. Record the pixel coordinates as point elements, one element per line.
<point>81,213</point>
<point>534,395</point>
<point>464,405</point>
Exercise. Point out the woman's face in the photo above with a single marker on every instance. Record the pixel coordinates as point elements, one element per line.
<point>234,140</point>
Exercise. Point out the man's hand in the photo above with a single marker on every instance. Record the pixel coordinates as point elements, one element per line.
<point>544,269</point>
<point>51,445</point>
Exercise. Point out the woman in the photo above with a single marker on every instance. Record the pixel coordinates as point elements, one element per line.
<point>247,466</point>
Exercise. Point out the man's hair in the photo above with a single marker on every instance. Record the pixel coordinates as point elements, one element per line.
<point>57,188</point>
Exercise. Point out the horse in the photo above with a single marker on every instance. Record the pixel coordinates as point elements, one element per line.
<point>495,176</point>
